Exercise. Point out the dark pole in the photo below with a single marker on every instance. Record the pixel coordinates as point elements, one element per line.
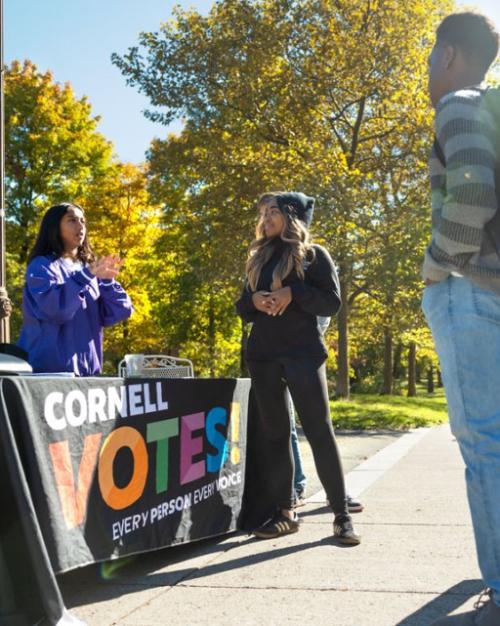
<point>5,306</point>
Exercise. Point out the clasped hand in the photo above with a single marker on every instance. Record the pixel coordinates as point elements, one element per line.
<point>107,267</point>
<point>272,302</point>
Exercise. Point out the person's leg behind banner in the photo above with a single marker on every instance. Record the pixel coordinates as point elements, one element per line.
<point>299,478</point>
<point>306,378</point>
<point>465,323</point>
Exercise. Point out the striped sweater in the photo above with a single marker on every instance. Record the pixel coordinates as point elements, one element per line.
<point>465,222</point>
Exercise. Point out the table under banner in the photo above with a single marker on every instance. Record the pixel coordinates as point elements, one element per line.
<point>100,468</point>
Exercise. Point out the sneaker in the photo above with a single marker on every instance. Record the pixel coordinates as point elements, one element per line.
<point>353,504</point>
<point>300,499</point>
<point>277,526</point>
<point>344,531</point>
<point>486,613</point>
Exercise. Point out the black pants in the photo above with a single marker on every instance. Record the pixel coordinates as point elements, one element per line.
<point>306,380</point>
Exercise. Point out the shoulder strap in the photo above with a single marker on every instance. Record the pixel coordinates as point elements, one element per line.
<point>439,152</point>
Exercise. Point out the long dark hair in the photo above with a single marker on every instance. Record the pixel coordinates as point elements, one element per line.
<point>295,235</point>
<point>49,239</point>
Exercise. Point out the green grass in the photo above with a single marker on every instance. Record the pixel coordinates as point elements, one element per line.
<point>370,411</point>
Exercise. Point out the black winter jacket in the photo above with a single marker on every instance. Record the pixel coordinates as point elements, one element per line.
<point>295,333</point>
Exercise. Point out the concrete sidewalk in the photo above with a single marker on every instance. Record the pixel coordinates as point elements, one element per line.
<point>416,562</point>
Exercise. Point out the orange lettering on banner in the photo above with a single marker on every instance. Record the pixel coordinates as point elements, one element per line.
<point>74,500</point>
<point>121,497</point>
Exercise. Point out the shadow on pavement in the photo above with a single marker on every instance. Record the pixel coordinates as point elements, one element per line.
<point>323,509</point>
<point>89,586</point>
<point>443,604</point>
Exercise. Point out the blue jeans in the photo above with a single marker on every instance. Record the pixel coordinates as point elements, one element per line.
<point>465,323</point>
<point>299,478</point>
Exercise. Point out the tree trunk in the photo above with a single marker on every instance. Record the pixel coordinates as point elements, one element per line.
<point>430,379</point>
<point>418,372</point>
<point>440,378</point>
<point>412,374</point>
<point>387,384</point>
<point>397,368</point>
<point>342,390</point>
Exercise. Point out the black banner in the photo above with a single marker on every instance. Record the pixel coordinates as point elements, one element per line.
<point>119,467</point>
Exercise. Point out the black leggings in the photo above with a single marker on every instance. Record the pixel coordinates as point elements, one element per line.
<point>306,380</point>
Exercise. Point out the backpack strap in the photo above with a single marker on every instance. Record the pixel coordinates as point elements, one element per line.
<point>438,151</point>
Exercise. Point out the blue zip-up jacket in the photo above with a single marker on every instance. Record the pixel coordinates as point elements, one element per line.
<point>64,315</point>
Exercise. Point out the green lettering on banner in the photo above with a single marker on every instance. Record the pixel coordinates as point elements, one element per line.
<point>162,432</point>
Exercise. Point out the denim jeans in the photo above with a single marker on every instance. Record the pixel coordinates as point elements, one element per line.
<point>465,323</point>
<point>299,478</point>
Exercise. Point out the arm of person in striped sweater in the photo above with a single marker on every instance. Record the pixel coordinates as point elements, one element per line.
<point>464,130</point>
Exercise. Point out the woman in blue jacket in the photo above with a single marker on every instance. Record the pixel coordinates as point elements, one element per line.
<point>69,296</point>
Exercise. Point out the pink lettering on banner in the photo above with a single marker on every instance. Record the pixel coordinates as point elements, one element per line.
<point>190,447</point>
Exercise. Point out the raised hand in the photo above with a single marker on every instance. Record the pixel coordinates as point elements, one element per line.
<point>106,267</point>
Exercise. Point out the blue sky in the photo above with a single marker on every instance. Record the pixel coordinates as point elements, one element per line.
<point>75,38</point>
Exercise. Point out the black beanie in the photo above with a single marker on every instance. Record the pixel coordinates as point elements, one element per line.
<point>296,204</point>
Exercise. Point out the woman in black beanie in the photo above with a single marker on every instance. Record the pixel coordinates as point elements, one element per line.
<point>289,282</point>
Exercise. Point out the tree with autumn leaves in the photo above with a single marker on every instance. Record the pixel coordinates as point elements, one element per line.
<point>124,220</point>
<point>54,152</point>
<point>325,96</point>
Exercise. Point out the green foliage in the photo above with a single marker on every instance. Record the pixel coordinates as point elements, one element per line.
<point>195,290</point>
<point>326,97</point>
<point>122,220</point>
<point>53,150</point>
<point>55,153</point>
<point>15,283</point>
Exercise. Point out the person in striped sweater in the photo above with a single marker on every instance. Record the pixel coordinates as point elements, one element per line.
<point>461,271</point>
